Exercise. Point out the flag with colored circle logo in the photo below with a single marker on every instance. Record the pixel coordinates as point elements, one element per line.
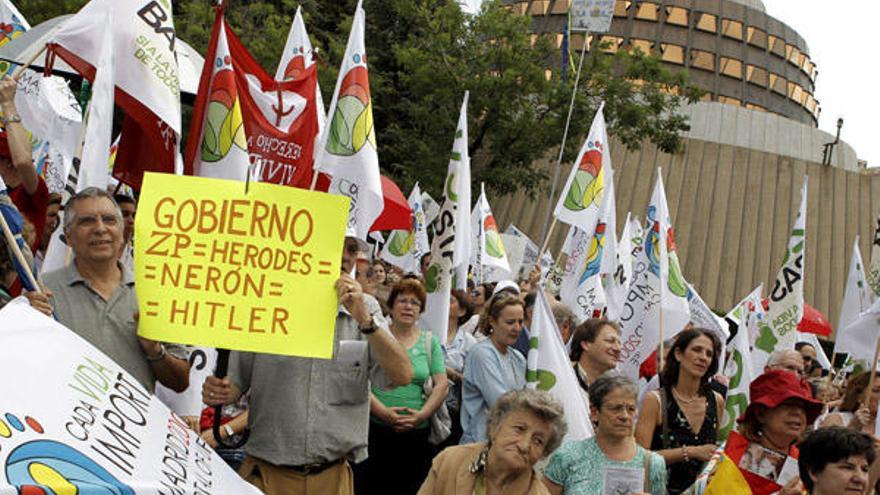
<point>405,248</point>
<point>488,257</point>
<point>786,299</point>
<point>76,422</point>
<point>582,195</point>
<point>657,283</point>
<point>550,369</point>
<point>348,146</point>
<point>223,151</point>
<point>593,257</point>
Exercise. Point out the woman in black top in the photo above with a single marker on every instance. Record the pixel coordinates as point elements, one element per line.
<point>680,421</point>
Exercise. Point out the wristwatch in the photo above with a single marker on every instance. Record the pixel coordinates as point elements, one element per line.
<point>158,357</point>
<point>372,327</point>
<point>11,118</point>
<point>228,430</point>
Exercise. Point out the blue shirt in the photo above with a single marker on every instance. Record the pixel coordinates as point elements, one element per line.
<point>488,374</point>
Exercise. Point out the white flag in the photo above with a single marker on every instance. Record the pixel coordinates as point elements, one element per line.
<point>488,256</point>
<point>99,118</point>
<point>703,317</point>
<point>405,248</point>
<point>224,150</point>
<point>862,335</point>
<point>549,369</point>
<point>348,145</point>
<point>140,27</point>
<point>297,55</point>
<point>857,298</point>
<point>657,281</point>
<point>81,424</point>
<point>581,197</point>
<point>739,364</point>
<point>15,24</point>
<point>581,287</point>
<point>873,274</point>
<point>458,190</point>
<point>786,305</point>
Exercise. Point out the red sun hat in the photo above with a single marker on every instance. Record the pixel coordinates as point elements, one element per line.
<point>776,386</point>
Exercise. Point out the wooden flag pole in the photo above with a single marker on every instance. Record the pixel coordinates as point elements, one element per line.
<point>19,256</point>
<point>27,64</point>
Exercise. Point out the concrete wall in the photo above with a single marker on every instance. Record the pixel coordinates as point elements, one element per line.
<point>732,209</point>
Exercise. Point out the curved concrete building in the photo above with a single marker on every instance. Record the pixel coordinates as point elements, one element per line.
<point>734,189</point>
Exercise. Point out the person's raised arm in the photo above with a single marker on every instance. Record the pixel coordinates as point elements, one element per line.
<point>16,136</point>
<point>389,353</point>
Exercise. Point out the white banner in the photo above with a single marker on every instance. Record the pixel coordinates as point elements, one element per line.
<point>73,421</point>
<point>857,298</point>
<point>405,248</point>
<point>593,16</point>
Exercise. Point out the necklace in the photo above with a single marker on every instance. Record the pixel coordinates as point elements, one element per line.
<point>683,400</point>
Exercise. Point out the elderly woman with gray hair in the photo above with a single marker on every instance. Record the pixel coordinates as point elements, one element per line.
<point>611,461</point>
<point>523,427</point>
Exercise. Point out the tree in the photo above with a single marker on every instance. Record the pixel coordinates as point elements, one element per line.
<point>424,54</point>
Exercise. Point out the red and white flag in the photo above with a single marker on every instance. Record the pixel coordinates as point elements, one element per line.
<point>145,76</point>
<point>297,56</point>
<point>242,115</point>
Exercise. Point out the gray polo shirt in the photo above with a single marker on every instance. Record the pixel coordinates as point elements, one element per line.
<point>309,411</point>
<point>108,325</point>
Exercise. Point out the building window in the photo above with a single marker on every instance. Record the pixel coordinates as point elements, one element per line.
<point>648,11</point>
<point>792,53</point>
<point>731,67</point>
<point>561,6</point>
<point>777,46</point>
<point>708,23</point>
<point>539,7</point>
<point>576,41</point>
<point>727,100</point>
<point>757,37</point>
<point>795,92</point>
<point>621,7</point>
<point>644,45</point>
<point>802,60</point>
<point>677,16</point>
<point>672,53</point>
<point>703,60</point>
<point>756,75</point>
<point>611,44</point>
<point>778,84</point>
<point>732,29</point>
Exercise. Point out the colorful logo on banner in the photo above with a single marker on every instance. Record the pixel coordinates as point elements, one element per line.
<point>675,282</point>
<point>594,254</point>
<point>11,30</point>
<point>48,467</point>
<point>401,242</point>
<point>223,124</point>
<point>494,247</point>
<point>586,188</point>
<point>352,125</point>
<point>296,65</point>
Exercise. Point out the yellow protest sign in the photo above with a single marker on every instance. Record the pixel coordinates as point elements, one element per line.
<point>251,272</point>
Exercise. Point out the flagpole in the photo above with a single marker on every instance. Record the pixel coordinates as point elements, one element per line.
<point>27,64</point>
<point>577,79</point>
<point>19,256</point>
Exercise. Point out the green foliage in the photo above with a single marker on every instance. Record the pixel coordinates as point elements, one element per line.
<point>424,54</point>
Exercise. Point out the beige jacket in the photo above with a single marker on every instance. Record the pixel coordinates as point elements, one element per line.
<point>451,474</point>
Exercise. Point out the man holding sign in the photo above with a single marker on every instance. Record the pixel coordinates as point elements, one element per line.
<point>94,296</point>
<point>308,417</point>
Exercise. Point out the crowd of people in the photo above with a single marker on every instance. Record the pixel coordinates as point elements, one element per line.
<point>370,419</point>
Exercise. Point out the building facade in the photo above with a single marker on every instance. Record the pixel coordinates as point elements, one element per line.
<point>734,189</point>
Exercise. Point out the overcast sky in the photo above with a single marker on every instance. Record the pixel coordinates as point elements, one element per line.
<point>844,41</point>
